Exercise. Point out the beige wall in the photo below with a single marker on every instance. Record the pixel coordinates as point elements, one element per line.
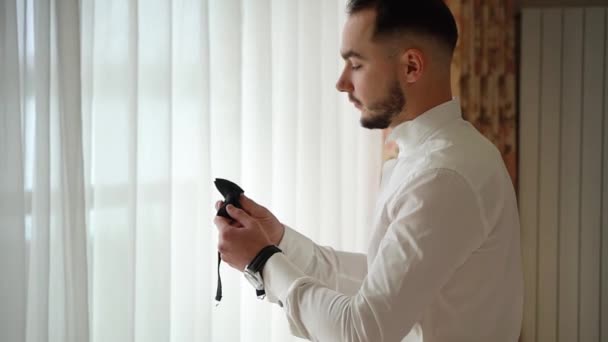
<point>563,188</point>
<point>561,3</point>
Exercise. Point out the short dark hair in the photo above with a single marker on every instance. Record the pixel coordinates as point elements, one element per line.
<point>429,17</point>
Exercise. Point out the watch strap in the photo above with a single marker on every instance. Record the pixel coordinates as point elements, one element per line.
<point>256,265</point>
<point>258,262</point>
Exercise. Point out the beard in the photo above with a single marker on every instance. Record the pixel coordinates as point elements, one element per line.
<point>381,114</point>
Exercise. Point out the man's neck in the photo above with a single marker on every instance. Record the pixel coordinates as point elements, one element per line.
<point>416,108</point>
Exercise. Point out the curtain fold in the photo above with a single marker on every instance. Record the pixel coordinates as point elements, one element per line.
<point>12,192</point>
<point>42,221</point>
<point>39,261</point>
<point>71,179</point>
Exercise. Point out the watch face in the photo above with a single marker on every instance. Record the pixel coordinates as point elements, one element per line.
<point>255,279</point>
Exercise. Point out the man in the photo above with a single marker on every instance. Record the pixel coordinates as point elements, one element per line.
<point>444,261</point>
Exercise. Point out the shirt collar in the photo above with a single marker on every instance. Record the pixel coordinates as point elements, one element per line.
<point>412,133</point>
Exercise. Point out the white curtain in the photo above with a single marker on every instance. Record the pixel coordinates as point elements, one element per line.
<point>125,113</point>
<point>43,270</point>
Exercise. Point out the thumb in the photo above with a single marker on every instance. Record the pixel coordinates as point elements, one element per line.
<point>251,206</point>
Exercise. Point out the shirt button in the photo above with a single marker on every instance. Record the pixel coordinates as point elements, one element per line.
<point>280,303</point>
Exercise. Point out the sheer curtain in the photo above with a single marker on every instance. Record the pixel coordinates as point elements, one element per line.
<point>125,113</point>
<point>43,270</point>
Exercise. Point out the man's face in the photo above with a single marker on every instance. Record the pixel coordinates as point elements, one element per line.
<point>370,75</point>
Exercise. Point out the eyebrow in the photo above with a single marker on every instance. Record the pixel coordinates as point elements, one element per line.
<point>350,53</point>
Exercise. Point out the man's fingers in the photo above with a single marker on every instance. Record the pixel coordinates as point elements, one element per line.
<point>250,205</point>
<point>221,221</point>
<point>239,215</point>
<point>218,204</point>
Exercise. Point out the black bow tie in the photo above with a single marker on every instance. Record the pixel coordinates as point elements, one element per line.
<point>231,193</point>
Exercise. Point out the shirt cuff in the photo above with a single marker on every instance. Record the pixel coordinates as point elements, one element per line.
<point>279,274</point>
<point>298,248</point>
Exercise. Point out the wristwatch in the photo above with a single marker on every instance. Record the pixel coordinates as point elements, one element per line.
<point>253,271</point>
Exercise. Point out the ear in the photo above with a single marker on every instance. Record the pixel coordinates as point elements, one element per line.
<point>413,65</point>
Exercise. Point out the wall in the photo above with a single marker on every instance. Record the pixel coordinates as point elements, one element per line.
<point>562,3</point>
<point>563,173</point>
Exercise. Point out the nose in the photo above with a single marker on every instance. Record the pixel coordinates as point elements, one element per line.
<point>344,84</point>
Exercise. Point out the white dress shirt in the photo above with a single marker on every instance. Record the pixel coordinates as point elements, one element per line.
<point>444,260</point>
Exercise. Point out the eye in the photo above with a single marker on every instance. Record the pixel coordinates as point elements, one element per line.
<point>355,67</point>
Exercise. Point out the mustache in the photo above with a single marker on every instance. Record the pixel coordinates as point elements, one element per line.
<point>353,99</point>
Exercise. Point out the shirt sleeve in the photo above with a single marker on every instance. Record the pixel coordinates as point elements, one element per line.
<point>338,270</point>
<point>436,224</point>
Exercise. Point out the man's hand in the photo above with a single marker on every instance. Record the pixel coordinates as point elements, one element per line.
<point>240,240</point>
<point>269,223</point>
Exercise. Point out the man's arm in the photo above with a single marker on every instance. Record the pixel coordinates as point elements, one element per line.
<point>436,225</point>
<point>338,270</point>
